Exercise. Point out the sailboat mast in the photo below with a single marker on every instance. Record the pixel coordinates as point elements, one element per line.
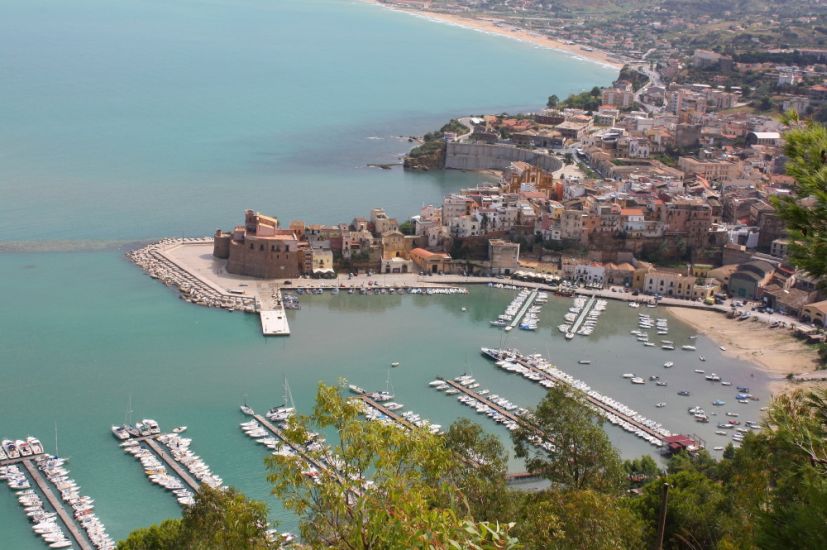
<point>57,450</point>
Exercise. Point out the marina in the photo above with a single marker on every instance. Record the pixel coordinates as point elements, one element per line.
<point>537,369</point>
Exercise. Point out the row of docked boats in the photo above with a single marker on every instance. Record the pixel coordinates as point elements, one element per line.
<point>45,523</point>
<point>82,506</point>
<point>541,371</point>
<point>145,428</point>
<point>179,448</point>
<point>512,310</point>
<point>280,447</point>
<point>20,448</point>
<point>582,316</point>
<point>156,472</point>
<point>373,414</point>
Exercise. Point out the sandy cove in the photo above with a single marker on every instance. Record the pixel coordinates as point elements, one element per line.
<point>775,351</point>
<point>490,26</point>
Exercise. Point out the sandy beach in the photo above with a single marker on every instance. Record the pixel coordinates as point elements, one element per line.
<point>490,26</point>
<point>775,351</point>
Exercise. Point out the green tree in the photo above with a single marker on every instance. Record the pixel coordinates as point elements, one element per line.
<point>583,457</point>
<point>805,212</point>
<point>552,102</point>
<point>641,470</point>
<point>219,520</point>
<point>410,501</point>
<point>479,470</point>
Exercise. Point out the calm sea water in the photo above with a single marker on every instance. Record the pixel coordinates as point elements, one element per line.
<point>139,119</point>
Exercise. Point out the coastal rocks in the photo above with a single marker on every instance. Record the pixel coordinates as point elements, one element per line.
<point>152,260</point>
<point>428,156</point>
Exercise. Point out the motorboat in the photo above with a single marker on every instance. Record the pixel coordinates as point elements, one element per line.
<point>35,445</point>
<point>702,358</point>
<point>699,371</point>
<point>661,383</point>
<point>179,429</point>
<point>628,375</point>
<point>120,432</point>
<point>684,393</point>
<point>719,403</point>
<point>637,380</point>
<point>668,364</point>
<point>713,377</point>
<point>660,405</point>
<point>687,347</point>
<point>584,362</point>
<point>396,363</point>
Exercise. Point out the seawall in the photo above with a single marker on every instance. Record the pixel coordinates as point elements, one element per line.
<point>478,156</point>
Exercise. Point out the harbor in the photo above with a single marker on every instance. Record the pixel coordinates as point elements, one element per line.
<point>220,370</point>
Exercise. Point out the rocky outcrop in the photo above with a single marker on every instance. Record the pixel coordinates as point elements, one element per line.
<point>428,156</point>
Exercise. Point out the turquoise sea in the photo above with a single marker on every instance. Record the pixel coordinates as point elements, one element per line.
<point>132,120</point>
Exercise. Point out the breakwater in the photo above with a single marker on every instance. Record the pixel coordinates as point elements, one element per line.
<point>198,290</point>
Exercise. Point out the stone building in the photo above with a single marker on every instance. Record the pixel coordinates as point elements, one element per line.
<point>260,249</point>
<point>504,256</point>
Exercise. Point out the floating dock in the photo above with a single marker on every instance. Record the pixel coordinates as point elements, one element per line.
<point>274,323</point>
<point>504,412</point>
<point>521,313</point>
<point>68,522</point>
<point>404,422</point>
<point>270,427</point>
<point>172,463</point>
<point>581,317</point>
<point>550,373</point>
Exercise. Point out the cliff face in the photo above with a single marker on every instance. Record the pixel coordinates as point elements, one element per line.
<point>428,156</point>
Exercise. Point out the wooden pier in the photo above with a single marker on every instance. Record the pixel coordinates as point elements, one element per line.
<point>172,463</point>
<point>68,522</point>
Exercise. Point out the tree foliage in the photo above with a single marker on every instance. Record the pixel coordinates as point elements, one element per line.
<point>805,212</point>
<point>413,500</point>
<point>219,520</point>
<point>583,456</point>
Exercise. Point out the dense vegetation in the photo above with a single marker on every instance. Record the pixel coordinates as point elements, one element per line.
<point>588,101</point>
<point>429,491</point>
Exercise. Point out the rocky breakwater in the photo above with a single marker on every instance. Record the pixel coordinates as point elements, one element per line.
<point>152,260</point>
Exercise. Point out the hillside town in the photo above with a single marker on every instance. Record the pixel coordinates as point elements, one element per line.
<point>672,199</point>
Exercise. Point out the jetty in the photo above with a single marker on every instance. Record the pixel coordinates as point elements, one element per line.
<point>540,371</point>
<point>521,313</point>
<point>270,427</point>
<point>581,317</point>
<point>173,464</point>
<point>404,422</point>
<point>69,523</point>
<point>515,418</point>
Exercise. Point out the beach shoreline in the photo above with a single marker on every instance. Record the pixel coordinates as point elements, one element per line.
<point>775,351</point>
<point>489,26</point>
